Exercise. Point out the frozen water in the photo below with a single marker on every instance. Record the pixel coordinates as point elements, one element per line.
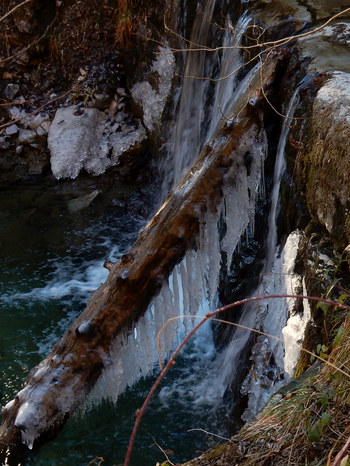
<point>153,100</point>
<point>191,291</point>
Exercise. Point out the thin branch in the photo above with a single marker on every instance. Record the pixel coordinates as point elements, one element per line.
<point>161,449</point>
<point>210,433</point>
<point>274,43</point>
<point>14,9</point>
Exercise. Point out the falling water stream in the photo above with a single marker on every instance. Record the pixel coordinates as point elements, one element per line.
<point>53,261</point>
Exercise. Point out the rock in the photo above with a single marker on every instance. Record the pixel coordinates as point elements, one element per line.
<point>327,48</point>
<point>113,107</point>
<point>46,125</point>
<point>11,90</point>
<point>38,120</point>
<point>14,113</point>
<point>26,136</point>
<point>79,203</point>
<point>328,196</point>
<point>73,141</point>
<point>100,101</point>
<point>11,130</point>
<point>40,131</point>
<point>121,92</point>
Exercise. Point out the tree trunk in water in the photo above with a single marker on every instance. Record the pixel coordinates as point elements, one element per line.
<point>60,383</point>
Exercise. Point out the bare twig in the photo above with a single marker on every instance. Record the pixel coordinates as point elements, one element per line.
<point>210,433</point>
<point>161,449</point>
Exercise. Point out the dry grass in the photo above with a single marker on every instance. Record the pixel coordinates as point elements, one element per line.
<point>125,23</point>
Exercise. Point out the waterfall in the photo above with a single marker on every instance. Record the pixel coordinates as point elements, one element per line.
<point>192,113</point>
<point>230,65</point>
<point>187,139</point>
<point>277,278</point>
<point>191,290</point>
<point>280,165</point>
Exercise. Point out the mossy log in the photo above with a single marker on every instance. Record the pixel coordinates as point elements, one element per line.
<point>61,382</point>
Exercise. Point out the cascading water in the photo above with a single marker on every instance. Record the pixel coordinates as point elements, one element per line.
<point>187,135</point>
<point>278,277</point>
<point>192,113</point>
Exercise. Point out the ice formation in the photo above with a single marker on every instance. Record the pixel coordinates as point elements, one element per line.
<point>153,100</point>
<point>271,362</point>
<point>191,289</point>
<point>85,138</point>
<point>73,140</point>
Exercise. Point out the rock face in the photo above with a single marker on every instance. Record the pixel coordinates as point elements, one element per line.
<point>327,163</point>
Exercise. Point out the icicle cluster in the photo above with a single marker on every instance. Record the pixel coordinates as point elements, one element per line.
<point>191,289</point>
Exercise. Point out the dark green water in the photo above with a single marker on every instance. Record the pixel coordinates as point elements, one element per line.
<point>51,261</point>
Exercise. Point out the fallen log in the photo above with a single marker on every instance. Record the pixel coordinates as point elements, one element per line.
<point>61,382</point>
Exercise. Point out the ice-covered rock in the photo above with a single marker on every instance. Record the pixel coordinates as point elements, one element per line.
<point>82,138</point>
<point>73,141</point>
<point>153,100</point>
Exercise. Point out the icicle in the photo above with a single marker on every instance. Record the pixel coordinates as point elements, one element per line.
<point>214,256</point>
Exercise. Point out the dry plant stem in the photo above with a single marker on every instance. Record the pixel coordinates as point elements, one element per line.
<point>208,316</point>
<point>170,363</point>
<point>14,9</point>
<point>342,453</point>
<point>18,102</point>
<point>162,450</point>
<point>210,433</point>
<point>336,443</point>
